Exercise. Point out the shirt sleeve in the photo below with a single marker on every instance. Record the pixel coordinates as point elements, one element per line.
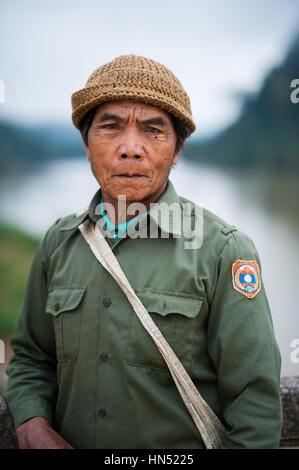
<point>32,386</point>
<point>245,353</point>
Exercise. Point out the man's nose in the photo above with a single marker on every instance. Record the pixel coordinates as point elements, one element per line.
<point>131,145</point>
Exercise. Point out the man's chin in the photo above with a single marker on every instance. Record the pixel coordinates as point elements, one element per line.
<point>135,192</point>
<point>132,196</point>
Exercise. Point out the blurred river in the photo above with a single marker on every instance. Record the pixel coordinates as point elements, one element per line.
<point>259,204</point>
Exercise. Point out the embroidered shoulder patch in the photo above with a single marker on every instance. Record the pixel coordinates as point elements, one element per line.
<point>246,278</point>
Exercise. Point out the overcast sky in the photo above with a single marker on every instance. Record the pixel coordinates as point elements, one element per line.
<point>48,49</point>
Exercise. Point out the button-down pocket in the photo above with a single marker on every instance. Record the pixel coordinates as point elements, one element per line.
<point>176,318</point>
<point>65,305</point>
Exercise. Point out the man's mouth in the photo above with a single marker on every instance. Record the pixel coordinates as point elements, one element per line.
<point>129,176</point>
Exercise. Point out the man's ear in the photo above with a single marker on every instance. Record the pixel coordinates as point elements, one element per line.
<point>177,154</point>
<point>86,148</point>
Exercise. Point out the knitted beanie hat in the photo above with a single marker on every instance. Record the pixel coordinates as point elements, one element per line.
<point>131,77</point>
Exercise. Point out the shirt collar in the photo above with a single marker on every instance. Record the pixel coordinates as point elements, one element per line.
<point>166,222</point>
<point>169,220</point>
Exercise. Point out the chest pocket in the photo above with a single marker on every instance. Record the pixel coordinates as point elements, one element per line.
<point>176,318</point>
<point>65,305</point>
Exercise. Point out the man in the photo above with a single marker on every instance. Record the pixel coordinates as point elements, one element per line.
<point>85,373</point>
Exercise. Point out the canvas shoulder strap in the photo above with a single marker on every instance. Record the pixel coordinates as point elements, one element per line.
<point>208,424</point>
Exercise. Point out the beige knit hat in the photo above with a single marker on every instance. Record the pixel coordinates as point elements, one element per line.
<point>135,78</point>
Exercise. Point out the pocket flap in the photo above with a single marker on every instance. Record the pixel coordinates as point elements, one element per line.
<point>63,299</point>
<point>164,304</point>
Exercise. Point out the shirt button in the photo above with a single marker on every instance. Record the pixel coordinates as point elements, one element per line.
<point>107,302</point>
<point>57,307</point>
<point>102,412</point>
<point>104,357</point>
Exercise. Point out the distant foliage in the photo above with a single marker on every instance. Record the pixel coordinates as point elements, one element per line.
<point>17,148</point>
<point>26,147</point>
<point>17,250</point>
<point>266,134</point>
<point>267,131</point>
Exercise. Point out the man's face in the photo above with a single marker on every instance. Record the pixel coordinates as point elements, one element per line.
<point>131,148</point>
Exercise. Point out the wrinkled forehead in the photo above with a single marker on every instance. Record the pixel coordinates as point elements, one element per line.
<point>129,109</point>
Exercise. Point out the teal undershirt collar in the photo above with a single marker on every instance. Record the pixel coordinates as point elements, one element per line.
<point>117,232</point>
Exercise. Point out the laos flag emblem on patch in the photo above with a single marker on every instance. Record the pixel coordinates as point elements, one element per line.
<point>246,277</point>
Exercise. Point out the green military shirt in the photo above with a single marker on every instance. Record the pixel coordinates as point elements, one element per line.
<point>83,360</point>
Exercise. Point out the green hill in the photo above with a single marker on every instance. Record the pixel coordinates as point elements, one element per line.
<point>266,133</point>
<point>26,147</point>
<point>16,254</point>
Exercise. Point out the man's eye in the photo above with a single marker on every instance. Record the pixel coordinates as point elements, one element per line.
<point>153,130</point>
<point>111,126</point>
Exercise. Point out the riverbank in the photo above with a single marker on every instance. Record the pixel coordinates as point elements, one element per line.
<point>17,250</point>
